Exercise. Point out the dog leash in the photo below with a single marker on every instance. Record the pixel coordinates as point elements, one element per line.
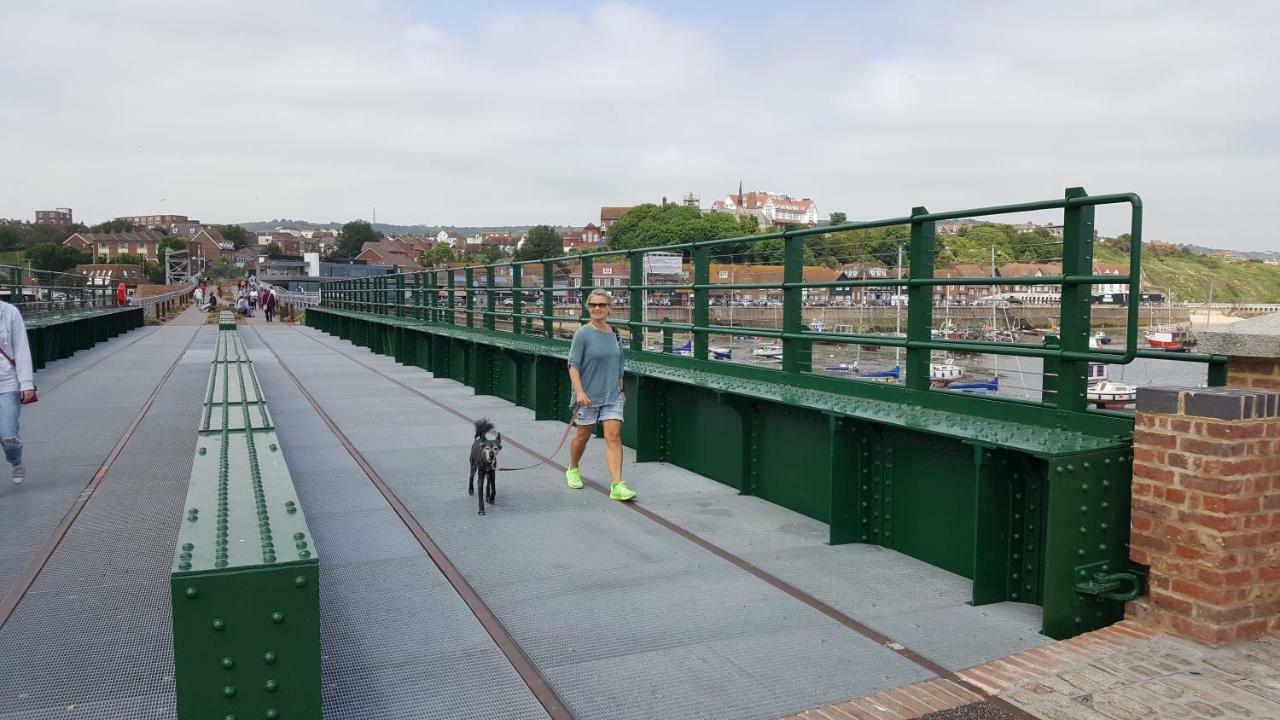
<point>572,414</point>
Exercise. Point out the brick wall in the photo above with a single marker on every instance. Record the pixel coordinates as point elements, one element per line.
<point>1258,373</point>
<point>1206,510</point>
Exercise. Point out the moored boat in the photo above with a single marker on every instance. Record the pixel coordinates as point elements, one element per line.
<point>1112,395</point>
<point>767,351</point>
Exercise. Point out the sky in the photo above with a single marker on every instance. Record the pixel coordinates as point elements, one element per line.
<point>517,113</point>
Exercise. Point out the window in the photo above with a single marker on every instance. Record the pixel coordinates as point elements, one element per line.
<point>723,274</point>
<point>606,271</point>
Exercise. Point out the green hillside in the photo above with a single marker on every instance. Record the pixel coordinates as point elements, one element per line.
<point>1186,277</point>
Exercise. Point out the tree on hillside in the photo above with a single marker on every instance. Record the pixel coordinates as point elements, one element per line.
<point>128,259</point>
<point>235,235</point>
<point>489,254</point>
<point>838,218</point>
<point>113,226</point>
<point>169,243</point>
<point>56,257</point>
<point>653,226</point>
<point>10,238</point>
<point>352,237</point>
<point>273,250</point>
<point>542,242</point>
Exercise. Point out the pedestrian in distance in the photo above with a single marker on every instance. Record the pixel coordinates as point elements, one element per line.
<point>17,385</point>
<point>269,304</point>
<point>595,372</point>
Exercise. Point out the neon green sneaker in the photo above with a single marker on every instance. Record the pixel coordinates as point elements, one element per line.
<point>573,476</point>
<point>620,491</point>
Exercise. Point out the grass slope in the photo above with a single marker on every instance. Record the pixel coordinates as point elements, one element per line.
<point>1186,279</point>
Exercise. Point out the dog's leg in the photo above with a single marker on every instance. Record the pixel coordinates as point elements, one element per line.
<point>493,484</point>
<point>471,479</point>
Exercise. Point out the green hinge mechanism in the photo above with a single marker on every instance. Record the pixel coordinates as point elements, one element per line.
<point>1119,586</point>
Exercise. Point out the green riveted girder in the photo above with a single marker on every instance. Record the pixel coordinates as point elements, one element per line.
<point>245,577</point>
<point>57,336</point>
<point>1029,500</point>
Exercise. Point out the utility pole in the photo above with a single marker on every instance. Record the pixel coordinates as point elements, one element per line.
<point>1208,309</point>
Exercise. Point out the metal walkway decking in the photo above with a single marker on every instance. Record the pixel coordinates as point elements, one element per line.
<point>622,613</point>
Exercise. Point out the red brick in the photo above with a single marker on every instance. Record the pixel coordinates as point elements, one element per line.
<point>1254,366</point>
<point>1178,460</point>
<point>1171,603</point>
<point>1144,420</point>
<point>1217,486</point>
<point>1269,573</point>
<point>1152,544</point>
<point>1208,633</point>
<point>1151,507</point>
<point>1190,552</point>
<point>1236,431</point>
<point>1233,468</point>
<point>1220,523</point>
<point>1219,504</point>
<point>1250,630</point>
<point>1154,472</point>
<point>1196,591</point>
<point>1223,616</point>
<point>1225,578</point>
<point>1207,447</point>
<point>1175,496</point>
<point>1150,438</point>
<point>1142,523</point>
<point>1180,425</point>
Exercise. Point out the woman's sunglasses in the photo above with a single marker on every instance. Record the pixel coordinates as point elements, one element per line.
<point>597,304</point>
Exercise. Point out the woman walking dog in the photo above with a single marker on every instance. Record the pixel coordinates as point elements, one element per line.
<point>595,370</point>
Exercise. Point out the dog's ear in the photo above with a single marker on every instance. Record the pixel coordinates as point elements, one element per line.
<point>499,441</point>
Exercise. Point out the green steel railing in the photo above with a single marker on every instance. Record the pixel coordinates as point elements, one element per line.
<point>44,292</point>
<point>450,296</point>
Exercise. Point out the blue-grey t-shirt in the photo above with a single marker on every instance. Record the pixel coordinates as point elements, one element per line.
<point>598,356</point>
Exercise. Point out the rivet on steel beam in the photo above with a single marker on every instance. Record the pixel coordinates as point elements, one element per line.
<point>192,592</point>
<point>300,581</point>
<point>272,714</point>
<point>219,624</point>
<point>229,691</point>
<point>228,663</point>
<point>269,658</point>
<point>277,617</point>
<point>271,685</point>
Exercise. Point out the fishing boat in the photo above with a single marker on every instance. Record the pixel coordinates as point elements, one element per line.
<point>945,372</point>
<point>977,388</point>
<point>1102,338</point>
<point>717,353</point>
<point>767,351</point>
<point>1112,395</point>
<point>884,376</point>
<point>1169,338</point>
<point>842,368</point>
<point>1097,372</point>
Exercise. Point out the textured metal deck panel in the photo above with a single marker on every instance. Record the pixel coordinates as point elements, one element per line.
<point>626,618</point>
<point>68,434</point>
<point>93,634</point>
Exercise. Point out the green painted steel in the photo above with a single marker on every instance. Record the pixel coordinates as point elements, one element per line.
<point>56,336</point>
<point>245,576</point>
<point>1029,500</point>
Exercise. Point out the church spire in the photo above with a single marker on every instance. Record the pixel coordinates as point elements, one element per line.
<point>739,193</point>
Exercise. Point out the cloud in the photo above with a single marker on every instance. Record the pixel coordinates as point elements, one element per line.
<point>237,110</point>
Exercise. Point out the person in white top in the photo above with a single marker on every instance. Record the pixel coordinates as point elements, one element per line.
<point>17,384</point>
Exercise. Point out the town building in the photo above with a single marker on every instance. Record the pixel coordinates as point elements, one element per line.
<point>863,294</point>
<point>58,216</point>
<point>609,215</point>
<point>771,209</point>
<point>151,221</point>
<point>111,275</point>
<point>389,252</point>
<point>207,247</point>
<point>144,244</point>
<point>585,239</point>
<point>450,238</point>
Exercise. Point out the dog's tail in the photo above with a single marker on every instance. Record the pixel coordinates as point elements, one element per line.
<point>483,426</point>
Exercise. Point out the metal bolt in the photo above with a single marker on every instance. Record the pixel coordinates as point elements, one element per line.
<point>229,691</point>
<point>228,663</point>
<point>277,617</point>
<point>269,658</point>
<point>192,592</point>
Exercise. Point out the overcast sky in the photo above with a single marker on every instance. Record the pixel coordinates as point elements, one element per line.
<point>525,112</point>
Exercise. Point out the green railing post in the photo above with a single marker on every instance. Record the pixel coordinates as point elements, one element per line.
<point>795,355</point>
<point>920,300</point>
<point>702,300</point>
<point>452,280</point>
<point>419,312</point>
<point>490,306</point>
<point>1077,259</point>
<point>517,307</point>
<point>667,334</point>
<point>636,299</point>
<point>584,289</point>
<point>548,297</point>
<point>399,304</point>
<point>1217,374</point>
<point>469,279</point>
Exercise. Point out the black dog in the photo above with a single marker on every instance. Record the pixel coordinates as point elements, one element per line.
<point>484,458</point>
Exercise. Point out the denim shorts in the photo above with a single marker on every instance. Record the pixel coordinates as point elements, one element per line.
<point>597,413</point>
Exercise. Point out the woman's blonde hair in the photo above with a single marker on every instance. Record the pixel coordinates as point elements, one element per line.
<point>601,293</point>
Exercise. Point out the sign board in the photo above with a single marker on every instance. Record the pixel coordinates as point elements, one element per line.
<point>663,264</point>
